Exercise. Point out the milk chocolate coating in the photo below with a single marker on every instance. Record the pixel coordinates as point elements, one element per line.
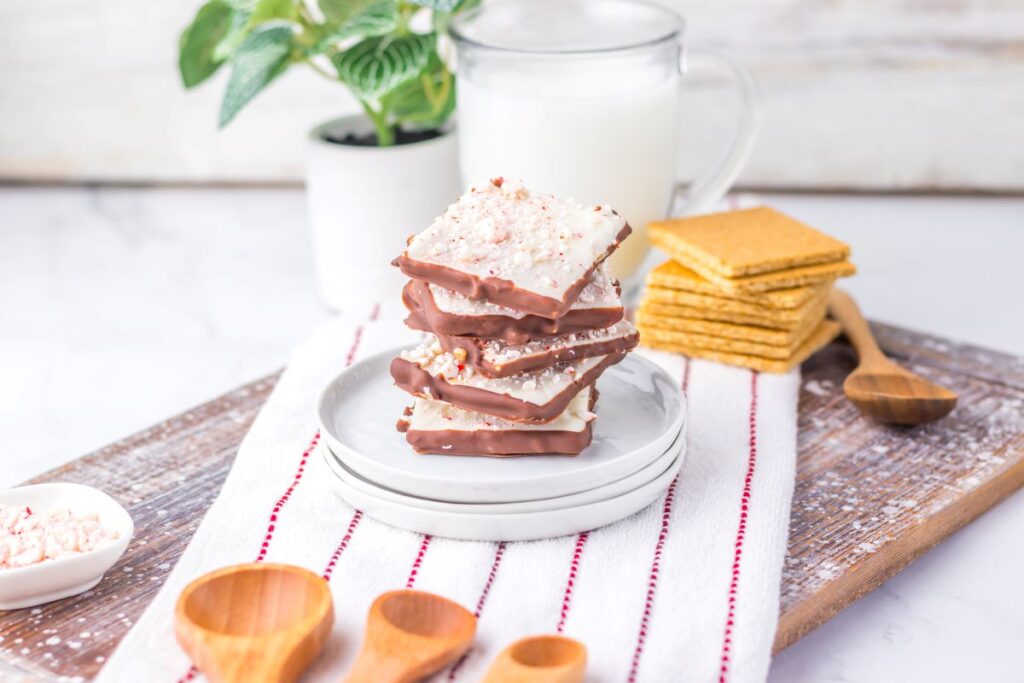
<point>475,354</point>
<point>500,443</point>
<point>426,316</point>
<point>501,291</point>
<point>418,382</point>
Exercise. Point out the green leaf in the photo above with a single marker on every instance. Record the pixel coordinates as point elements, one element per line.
<point>198,58</point>
<point>424,102</point>
<point>375,66</point>
<point>261,58</point>
<point>239,29</point>
<point>268,10</point>
<point>437,5</point>
<point>361,18</point>
<point>340,12</point>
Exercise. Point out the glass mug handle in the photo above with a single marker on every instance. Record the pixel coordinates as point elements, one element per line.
<point>704,192</point>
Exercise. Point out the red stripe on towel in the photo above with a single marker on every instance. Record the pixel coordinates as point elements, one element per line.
<point>356,338</point>
<point>353,523</point>
<point>285,497</point>
<point>574,567</point>
<point>741,531</point>
<point>499,552</point>
<point>652,579</point>
<point>276,510</point>
<point>411,581</point>
<point>268,535</point>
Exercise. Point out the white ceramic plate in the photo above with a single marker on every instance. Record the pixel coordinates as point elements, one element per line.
<point>624,485</point>
<point>66,576</point>
<point>640,413</point>
<point>517,526</point>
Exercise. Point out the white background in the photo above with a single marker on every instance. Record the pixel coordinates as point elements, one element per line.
<point>858,94</point>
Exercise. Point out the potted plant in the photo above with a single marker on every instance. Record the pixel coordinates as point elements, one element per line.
<point>373,178</point>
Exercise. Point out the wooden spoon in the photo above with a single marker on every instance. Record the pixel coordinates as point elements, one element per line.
<point>257,623</point>
<point>410,635</point>
<point>540,659</point>
<point>880,388</point>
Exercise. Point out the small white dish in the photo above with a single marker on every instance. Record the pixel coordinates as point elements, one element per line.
<point>66,576</point>
<point>616,488</point>
<point>519,526</point>
<point>641,411</point>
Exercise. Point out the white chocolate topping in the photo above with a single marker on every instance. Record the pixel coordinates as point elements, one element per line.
<point>540,243</point>
<point>498,352</point>
<point>538,387</point>
<point>600,292</point>
<point>430,415</point>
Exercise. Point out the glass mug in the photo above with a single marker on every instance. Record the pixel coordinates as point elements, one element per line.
<point>580,98</point>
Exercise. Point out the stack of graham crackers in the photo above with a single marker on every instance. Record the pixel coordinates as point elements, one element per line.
<point>747,288</point>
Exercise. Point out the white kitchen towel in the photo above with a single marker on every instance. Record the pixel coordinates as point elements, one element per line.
<point>685,590</point>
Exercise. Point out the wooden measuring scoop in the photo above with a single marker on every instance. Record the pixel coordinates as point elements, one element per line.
<point>410,635</point>
<point>878,387</point>
<point>540,659</point>
<point>254,623</point>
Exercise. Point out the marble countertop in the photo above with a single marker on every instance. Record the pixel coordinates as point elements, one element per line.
<point>121,306</point>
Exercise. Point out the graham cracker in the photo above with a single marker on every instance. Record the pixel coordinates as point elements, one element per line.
<point>716,343</point>
<point>820,274</point>
<point>747,242</point>
<point>825,333</point>
<point>715,328</point>
<point>672,302</point>
<point>672,275</point>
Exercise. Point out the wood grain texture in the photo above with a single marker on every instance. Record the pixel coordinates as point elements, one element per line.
<point>869,498</point>
<point>881,388</point>
<point>540,659</point>
<point>254,623</point>
<point>411,635</point>
<point>166,476</point>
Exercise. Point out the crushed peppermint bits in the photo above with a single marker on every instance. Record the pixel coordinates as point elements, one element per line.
<point>539,243</point>
<point>28,537</point>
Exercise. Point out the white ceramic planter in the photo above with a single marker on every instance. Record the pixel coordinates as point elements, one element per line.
<point>364,202</point>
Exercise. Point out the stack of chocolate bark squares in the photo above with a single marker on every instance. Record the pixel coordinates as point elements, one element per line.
<point>521,318</point>
<point>747,288</point>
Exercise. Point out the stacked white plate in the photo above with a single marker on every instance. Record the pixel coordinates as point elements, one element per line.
<point>637,450</point>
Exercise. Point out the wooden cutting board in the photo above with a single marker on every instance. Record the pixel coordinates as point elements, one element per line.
<point>869,499</point>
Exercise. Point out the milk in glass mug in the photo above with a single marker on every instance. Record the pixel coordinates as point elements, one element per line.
<point>581,98</point>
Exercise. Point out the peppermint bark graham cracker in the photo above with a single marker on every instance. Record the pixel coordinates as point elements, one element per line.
<point>428,371</point>
<point>501,243</point>
<point>441,428</point>
<point>446,312</point>
<point>495,358</point>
